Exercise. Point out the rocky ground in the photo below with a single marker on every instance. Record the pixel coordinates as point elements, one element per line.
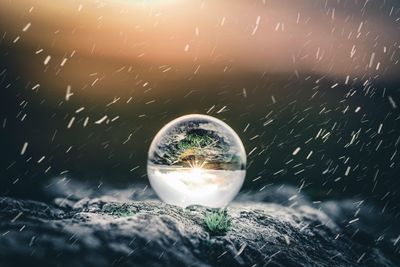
<point>88,225</point>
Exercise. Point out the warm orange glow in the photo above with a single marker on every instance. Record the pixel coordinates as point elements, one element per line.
<point>180,39</point>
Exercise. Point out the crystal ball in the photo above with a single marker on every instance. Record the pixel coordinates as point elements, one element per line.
<point>196,160</point>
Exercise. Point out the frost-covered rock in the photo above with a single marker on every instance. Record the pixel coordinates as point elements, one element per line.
<point>108,231</point>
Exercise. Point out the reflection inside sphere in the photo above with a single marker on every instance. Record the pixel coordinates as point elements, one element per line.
<point>196,160</point>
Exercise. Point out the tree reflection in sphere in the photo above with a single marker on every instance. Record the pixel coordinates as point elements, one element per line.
<point>196,160</point>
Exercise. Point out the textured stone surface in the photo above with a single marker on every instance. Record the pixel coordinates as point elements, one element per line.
<point>110,227</point>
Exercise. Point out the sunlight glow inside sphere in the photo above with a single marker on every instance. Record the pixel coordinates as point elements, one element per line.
<point>196,160</point>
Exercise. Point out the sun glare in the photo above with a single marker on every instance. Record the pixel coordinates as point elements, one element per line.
<point>196,160</point>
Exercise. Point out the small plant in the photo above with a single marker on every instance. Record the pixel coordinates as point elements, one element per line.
<point>217,222</point>
<point>120,210</point>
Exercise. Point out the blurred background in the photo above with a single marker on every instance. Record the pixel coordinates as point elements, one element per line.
<point>312,87</point>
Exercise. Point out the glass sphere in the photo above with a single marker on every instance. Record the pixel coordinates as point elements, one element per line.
<point>196,160</point>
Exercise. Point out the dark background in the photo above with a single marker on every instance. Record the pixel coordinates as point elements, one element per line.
<point>273,112</point>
